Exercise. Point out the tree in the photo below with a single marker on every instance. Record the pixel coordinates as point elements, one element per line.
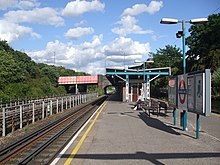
<point>168,56</point>
<point>204,44</point>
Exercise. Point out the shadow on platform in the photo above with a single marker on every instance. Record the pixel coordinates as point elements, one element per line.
<point>152,157</point>
<point>157,124</point>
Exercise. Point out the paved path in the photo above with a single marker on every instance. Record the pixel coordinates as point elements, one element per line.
<point>121,135</point>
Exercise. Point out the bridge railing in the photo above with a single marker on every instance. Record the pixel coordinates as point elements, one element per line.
<point>18,116</point>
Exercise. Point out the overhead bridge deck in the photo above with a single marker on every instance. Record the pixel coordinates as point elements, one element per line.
<point>117,134</point>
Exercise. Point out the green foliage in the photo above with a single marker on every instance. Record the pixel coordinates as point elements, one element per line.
<point>216,78</point>
<point>21,77</point>
<point>168,56</point>
<point>204,45</point>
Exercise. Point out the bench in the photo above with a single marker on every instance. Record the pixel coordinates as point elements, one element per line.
<point>163,106</point>
<point>150,106</point>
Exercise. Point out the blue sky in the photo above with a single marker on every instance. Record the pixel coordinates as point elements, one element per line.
<point>89,35</point>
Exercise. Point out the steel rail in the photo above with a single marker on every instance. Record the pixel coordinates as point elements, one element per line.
<point>13,148</point>
<point>32,155</point>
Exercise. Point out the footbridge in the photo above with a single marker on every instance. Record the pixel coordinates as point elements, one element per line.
<point>75,84</point>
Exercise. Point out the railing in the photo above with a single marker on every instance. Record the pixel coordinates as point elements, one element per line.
<point>18,116</point>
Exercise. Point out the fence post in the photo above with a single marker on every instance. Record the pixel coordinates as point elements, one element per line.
<point>51,107</point>
<point>70,101</point>
<point>21,121</point>
<point>43,110</point>
<point>48,108</point>
<point>33,115</point>
<point>57,106</point>
<point>66,102</point>
<point>3,123</point>
<point>62,104</point>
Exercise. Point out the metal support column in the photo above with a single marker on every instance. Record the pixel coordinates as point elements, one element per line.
<point>127,88</point>
<point>197,125</point>
<point>184,71</point>
<point>174,116</point>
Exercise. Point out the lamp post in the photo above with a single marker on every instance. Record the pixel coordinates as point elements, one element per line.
<point>182,34</point>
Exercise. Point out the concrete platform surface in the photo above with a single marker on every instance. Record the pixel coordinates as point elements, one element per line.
<point>121,135</point>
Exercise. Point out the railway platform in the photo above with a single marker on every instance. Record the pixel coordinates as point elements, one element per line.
<point>117,134</point>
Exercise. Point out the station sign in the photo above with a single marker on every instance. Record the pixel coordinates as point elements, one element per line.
<point>199,92</point>
<point>191,92</point>
<point>172,92</point>
<point>182,92</point>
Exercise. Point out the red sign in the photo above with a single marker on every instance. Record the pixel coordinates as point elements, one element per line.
<point>182,91</point>
<point>172,83</point>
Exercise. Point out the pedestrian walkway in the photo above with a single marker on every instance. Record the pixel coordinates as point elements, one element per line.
<point>121,135</point>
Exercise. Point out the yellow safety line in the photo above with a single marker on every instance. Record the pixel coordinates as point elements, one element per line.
<point>215,114</point>
<point>75,150</point>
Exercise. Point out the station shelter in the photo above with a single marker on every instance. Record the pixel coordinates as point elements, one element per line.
<point>134,82</point>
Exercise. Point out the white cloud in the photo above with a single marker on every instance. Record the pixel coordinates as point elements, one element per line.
<point>11,31</point>
<point>4,4</point>
<point>26,4</point>
<point>45,15</point>
<point>78,7</point>
<point>128,26</point>
<point>125,49</point>
<point>22,4</point>
<point>153,7</point>
<point>79,57</point>
<point>80,23</point>
<point>92,56</point>
<point>156,37</point>
<point>78,32</point>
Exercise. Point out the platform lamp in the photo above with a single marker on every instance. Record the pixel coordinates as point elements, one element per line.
<point>180,34</point>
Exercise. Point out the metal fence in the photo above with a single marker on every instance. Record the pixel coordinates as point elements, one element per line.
<point>17,116</point>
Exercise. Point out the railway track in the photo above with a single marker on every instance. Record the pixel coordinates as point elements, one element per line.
<point>43,145</point>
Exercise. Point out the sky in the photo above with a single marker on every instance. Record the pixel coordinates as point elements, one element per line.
<point>90,35</point>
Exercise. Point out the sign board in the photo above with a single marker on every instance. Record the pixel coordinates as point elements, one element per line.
<point>182,92</point>
<point>190,98</point>
<point>191,92</point>
<point>199,92</point>
<point>172,92</point>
